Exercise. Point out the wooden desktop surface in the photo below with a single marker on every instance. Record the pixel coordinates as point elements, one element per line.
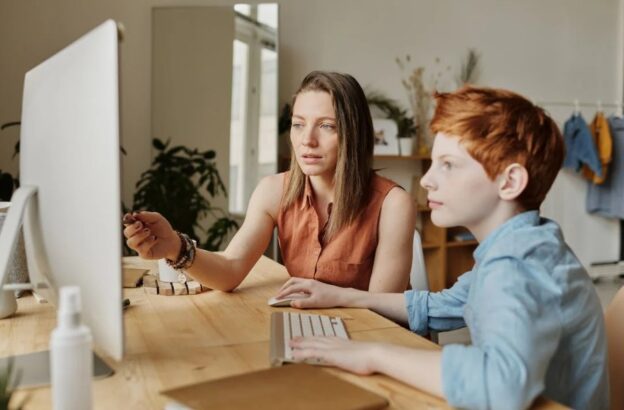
<point>178,340</point>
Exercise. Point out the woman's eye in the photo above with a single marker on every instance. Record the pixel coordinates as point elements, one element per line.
<point>296,125</point>
<point>328,126</point>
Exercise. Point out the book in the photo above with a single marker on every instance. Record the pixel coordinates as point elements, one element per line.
<point>290,387</point>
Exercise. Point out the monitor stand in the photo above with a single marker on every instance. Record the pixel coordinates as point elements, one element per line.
<point>34,368</point>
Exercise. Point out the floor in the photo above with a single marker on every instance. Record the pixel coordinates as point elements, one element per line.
<point>606,289</point>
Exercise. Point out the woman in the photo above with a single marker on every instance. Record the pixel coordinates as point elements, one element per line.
<point>338,222</point>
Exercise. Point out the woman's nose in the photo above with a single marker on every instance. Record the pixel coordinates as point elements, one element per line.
<point>309,138</point>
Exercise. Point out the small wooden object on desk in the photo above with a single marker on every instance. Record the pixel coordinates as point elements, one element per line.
<point>156,286</point>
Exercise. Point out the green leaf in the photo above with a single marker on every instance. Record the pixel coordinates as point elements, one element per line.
<point>158,144</point>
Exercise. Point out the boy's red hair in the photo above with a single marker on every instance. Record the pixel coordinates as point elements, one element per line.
<point>499,128</point>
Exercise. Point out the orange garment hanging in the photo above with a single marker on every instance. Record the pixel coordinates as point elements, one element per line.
<point>604,145</point>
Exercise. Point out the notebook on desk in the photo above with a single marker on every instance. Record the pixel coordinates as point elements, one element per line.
<point>296,386</point>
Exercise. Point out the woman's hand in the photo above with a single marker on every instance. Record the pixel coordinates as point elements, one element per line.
<point>356,357</point>
<point>321,295</point>
<point>151,236</point>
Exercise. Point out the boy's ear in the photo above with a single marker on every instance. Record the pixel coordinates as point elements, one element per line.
<point>513,181</point>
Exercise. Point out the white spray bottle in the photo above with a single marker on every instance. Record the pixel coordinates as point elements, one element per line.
<point>71,359</point>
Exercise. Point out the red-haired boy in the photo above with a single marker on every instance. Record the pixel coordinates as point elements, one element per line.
<point>535,320</point>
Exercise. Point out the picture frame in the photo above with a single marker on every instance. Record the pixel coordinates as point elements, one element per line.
<point>386,139</point>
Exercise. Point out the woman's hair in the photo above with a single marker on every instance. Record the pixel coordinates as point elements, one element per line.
<point>499,128</point>
<point>355,148</point>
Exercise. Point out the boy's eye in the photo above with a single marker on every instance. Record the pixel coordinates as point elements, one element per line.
<point>446,165</point>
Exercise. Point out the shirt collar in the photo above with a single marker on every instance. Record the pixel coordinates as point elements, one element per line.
<point>307,194</point>
<point>527,218</point>
<point>308,197</point>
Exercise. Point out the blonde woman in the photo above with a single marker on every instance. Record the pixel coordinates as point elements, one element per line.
<point>338,221</point>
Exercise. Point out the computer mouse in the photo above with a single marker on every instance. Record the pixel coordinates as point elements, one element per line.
<point>286,300</point>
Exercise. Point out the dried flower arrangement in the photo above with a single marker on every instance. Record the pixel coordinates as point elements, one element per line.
<point>420,98</point>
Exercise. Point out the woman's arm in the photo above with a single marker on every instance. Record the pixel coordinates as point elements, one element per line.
<point>226,270</point>
<point>151,235</point>
<point>393,257</point>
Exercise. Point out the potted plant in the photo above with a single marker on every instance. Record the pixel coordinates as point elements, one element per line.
<point>9,183</point>
<point>391,109</point>
<point>9,379</point>
<point>181,184</point>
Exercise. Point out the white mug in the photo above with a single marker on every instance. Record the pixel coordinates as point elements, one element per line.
<point>166,273</point>
<point>8,305</point>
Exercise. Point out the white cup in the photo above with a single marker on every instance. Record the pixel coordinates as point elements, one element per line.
<point>166,273</point>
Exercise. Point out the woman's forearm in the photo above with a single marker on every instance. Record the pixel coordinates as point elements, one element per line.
<point>217,271</point>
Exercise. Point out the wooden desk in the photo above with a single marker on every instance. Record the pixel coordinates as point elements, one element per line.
<point>176,340</point>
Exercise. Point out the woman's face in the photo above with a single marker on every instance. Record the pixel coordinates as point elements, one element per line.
<point>314,134</point>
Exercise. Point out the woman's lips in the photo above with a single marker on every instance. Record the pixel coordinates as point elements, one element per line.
<point>311,159</point>
<point>434,204</point>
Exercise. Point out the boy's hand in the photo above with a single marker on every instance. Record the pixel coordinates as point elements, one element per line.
<point>356,357</point>
<point>151,236</point>
<point>322,295</point>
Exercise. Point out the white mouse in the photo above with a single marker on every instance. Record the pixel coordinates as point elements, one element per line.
<point>286,300</point>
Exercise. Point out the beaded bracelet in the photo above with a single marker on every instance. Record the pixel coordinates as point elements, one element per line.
<point>186,257</point>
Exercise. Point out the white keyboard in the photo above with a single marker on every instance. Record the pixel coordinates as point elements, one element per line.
<point>288,325</point>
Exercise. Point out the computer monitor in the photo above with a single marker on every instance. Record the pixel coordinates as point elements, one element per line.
<point>69,190</point>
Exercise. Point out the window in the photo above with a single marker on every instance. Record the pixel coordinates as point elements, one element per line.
<point>253,130</point>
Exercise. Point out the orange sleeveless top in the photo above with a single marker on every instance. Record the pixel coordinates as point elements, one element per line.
<point>347,259</point>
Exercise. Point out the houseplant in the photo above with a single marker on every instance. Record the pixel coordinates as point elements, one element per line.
<point>9,378</point>
<point>391,109</point>
<point>9,183</point>
<point>181,184</point>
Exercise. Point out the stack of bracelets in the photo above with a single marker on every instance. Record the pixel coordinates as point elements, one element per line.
<point>186,257</point>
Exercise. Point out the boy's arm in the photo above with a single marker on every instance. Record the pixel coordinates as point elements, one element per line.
<point>438,311</point>
<point>515,324</point>
<point>421,309</point>
<point>417,367</point>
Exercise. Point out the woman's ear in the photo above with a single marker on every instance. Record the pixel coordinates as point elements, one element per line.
<point>513,181</point>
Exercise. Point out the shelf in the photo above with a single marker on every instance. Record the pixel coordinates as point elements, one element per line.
<point>456,244</point>
<point>400,157</point>
<point>430,245</point>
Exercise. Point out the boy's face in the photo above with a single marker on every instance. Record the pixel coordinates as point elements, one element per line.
<point>459,191</point>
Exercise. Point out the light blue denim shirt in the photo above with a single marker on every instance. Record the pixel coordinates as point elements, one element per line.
<point>535,321</point>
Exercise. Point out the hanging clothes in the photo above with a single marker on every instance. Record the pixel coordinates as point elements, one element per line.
<point>604,145</point>
<point>607,199</point>
<point>580,145</point>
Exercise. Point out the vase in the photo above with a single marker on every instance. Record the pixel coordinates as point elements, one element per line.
<point>405,145</point>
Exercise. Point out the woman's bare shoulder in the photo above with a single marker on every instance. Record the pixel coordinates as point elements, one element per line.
<point>269,192</point>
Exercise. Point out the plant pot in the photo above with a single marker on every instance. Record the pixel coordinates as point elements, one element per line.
<point>8,305</point>
<point>405,146</point>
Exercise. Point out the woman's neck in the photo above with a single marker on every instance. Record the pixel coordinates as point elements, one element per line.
<point>323,188</point>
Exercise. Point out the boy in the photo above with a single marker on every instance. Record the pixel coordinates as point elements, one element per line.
<point>535,321</point>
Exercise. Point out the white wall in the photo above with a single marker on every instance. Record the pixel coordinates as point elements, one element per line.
<point>546,50</point>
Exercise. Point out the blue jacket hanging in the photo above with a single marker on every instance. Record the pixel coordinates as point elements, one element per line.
<point>580,146</point>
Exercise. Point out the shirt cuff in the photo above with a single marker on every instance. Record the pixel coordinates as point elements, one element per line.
<point>417,310</point>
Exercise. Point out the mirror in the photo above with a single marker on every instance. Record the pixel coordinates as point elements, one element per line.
<point>214,86</point>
